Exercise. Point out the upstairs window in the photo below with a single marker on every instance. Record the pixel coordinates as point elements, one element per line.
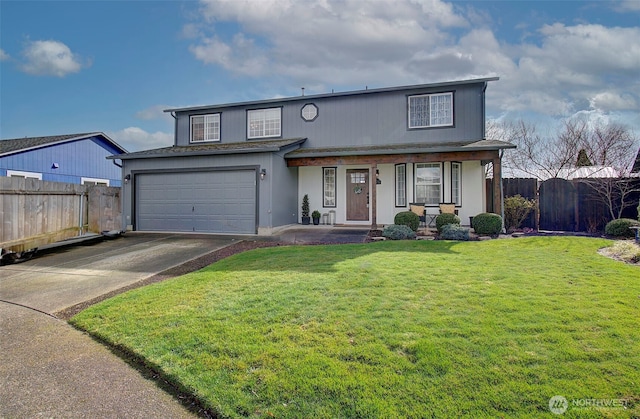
<point>205,128</point>
<point>431,110</point>
<point>263,123</point>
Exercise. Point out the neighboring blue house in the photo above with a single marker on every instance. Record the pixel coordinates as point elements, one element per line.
<point>360,156</point>
<point>73,158</point>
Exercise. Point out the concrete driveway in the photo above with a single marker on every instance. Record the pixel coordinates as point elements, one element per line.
<point>49,368</point>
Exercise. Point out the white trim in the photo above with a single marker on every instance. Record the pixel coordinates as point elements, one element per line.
<point>261,117</point>
<point>94,180</point>
<point>207,135</point>
<point>433,114</point>
<point>19,173</point>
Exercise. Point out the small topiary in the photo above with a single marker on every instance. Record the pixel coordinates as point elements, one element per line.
<point>487,223</point>
<point>398,232</point>
<point>407,218</point>
<point>620,227</point>
<point>454,232</point>
<point>444,219</point>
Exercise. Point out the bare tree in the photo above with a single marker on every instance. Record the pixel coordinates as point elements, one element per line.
<point>611,148</point>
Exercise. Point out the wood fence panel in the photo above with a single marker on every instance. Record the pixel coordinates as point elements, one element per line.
<point>34,213</point>
<point>557,205</point>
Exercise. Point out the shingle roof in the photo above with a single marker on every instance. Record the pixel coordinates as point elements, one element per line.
<point>400,149</point>
<point>15,145</point>
<point>210,149</point>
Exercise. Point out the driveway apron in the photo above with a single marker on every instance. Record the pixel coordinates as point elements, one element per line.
<point>48,368</point>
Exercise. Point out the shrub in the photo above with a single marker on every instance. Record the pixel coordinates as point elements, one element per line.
<point>620,227</point>
<point>487,223</point>
<point>444,219</point>
<point>454,232</point>
<point>398,232</point>
<point>516,210</point>
<point>407,218</point>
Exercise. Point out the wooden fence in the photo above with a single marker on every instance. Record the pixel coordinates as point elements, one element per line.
<point>34,213</point>
<point>563,205</point>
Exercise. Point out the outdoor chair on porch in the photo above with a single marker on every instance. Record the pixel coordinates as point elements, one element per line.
<point>448,209</point>
<point>418,209</point>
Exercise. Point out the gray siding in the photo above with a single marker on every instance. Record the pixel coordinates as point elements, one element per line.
<point>355,120</point>
<point>276,198</point>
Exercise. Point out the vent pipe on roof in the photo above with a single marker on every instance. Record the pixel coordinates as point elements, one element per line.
<point>302,91</point>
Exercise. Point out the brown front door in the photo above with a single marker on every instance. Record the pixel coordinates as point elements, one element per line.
<point>358,195</point>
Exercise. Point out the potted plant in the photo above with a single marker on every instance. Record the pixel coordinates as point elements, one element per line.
<point>316,217</point>
<point>305,210</point>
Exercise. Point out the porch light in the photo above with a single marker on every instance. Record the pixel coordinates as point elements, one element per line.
<point>378,181</point>
<point>263,174</point>
<point>127,178</point>
<point>55,166</point>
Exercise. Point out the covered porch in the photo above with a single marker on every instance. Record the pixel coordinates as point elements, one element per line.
<point>337,179</point>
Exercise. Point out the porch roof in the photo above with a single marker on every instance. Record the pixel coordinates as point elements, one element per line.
<point>408,148</point>
<point>212,149</point>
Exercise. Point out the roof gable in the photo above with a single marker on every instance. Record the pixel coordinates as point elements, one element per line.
<point>20,145</point>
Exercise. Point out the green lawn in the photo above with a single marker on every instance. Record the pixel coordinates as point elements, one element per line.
<point>394,329</point>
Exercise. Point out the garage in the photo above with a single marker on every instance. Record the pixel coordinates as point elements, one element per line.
<point>214,201</point>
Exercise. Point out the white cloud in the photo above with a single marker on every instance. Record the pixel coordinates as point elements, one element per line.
<point>627,6</point>
<point>135,139</point>
<point>3,55</point>
<point>554,69</point>
<point>155,112</point>
<point>50,58</point>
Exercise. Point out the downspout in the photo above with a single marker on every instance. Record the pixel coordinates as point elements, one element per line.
<point>175,128</point>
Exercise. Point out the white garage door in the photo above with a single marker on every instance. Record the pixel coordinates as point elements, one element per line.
<point>221,201</point>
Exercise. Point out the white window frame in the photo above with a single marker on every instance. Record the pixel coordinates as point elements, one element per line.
<point>329,183</point>
<point>96,181</point>
<point>401,185</point>
<point>264,123</point>
<point>436,110</point>
<point>456,183</point>
<point>431,182</point>
<point>210,128</point>
<point>26,175</point>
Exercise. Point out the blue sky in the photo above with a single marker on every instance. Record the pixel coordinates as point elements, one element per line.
<point>113,66</point>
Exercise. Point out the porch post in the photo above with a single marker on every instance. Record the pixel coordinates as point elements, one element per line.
<point>374,196</point>
<point>497,186</point>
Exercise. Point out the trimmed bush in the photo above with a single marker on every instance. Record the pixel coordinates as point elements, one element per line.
<point>620,227</point>
<point>407,218</point>
<point>398,232</point>
<point>487,223</point>
<point>454,232</point>
<point>516,210</point>
<point>444,219</point>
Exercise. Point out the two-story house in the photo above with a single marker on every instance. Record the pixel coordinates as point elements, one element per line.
<point>362,156</point>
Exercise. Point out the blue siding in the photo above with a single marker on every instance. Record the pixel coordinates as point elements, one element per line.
<point>76,159</point>
<point>355,120</point>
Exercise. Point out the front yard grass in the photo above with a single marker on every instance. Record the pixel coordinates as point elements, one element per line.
<point>394,329</point>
